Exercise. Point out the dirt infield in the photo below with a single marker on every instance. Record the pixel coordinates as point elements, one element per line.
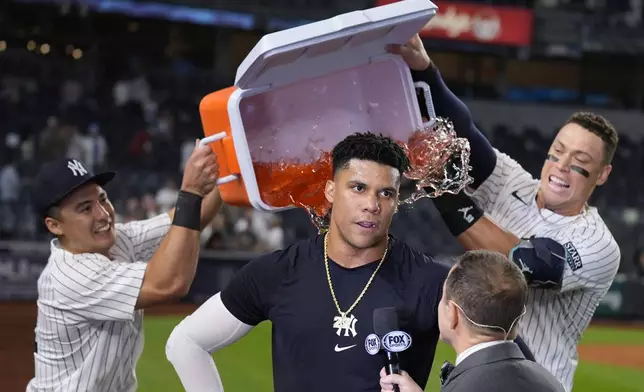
<point>635,325</point>
<point>615,354</point>
<point>612,354</point>
<point>17,321</point>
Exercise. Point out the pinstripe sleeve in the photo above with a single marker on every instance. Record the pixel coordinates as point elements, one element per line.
<point>97,288</point>
<point>591,261</point>
<point>146,235</point>
<point>507,172</point>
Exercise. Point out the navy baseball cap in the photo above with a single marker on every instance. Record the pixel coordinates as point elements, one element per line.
<point>59,178</point>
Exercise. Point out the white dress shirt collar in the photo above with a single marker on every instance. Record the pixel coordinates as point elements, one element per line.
<point>460,357</point>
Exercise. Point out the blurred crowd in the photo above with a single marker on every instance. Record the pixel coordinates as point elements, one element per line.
<point>134,109</point>
<point>234,229</point>
<point>138,123</point>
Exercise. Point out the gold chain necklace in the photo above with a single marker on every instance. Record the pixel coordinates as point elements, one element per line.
<point>343,322</point>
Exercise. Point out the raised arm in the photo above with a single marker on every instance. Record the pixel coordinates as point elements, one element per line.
<point>150,263</point>
<point>587,261</point>
<point>447,105</point>
<point>172,267</point>
<point>210,206</point>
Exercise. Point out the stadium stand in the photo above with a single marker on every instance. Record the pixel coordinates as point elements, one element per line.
<point>123,92</point>
<point>118,84</point>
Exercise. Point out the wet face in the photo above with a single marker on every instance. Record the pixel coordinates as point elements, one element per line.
<point>364,195</point>
<point>85,221</point>
<point>574,167</point>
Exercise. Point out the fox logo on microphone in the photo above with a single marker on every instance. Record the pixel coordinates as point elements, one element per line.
<point>396,341</point>
<point>372,344</point>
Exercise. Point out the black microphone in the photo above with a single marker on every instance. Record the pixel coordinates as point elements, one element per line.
<point>393,341</point>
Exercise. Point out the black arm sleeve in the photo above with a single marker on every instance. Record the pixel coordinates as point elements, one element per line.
<point>249,293</point>
<point>447,105</point>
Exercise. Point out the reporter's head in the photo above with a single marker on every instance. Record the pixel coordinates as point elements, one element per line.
<point>484,297</point>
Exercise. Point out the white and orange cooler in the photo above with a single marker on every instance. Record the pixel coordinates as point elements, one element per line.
<point>304,89</point>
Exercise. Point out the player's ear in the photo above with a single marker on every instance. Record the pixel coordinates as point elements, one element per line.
<point>453,315</point>
<point>53,225</point>
<point>329,190</point>
<point>603,175</point>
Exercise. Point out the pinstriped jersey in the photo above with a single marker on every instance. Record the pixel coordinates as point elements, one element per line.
<point>555,320</point>
<point>89,335</point>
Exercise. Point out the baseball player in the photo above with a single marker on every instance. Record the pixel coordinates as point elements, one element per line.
<point>102,274</point>
<point>544,225</point>
<point>320,294</point>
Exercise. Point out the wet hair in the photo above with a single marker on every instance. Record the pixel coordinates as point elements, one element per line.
<point>370,147</point>
<point>601,127</point>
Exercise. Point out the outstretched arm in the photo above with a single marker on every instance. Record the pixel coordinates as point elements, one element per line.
<point>485,234</point>
<point>589,260</point>
<point>210,206</point>
<point>447,105</point>
<point>473,230</point>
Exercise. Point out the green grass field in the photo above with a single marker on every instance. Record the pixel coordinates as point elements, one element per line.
<point>246,365</point>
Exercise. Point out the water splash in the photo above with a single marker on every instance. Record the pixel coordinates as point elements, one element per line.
<point>320,221</point>
<point>439,164</point>
<point>439,161</point>
<point>285,183</point>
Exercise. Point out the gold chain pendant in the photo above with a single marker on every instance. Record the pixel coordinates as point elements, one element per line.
<point>347,321</point>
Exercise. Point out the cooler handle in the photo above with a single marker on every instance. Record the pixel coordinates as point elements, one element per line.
<point>429,105</point>
<point>211,139</point>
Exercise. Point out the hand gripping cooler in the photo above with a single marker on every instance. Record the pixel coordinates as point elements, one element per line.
<point>306,88</point>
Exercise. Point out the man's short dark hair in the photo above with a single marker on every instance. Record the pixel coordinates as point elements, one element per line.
<point>370,147</point>
<point>601,127</point>
<point>489,289</point>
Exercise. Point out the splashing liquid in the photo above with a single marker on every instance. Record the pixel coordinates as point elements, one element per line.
<point>283,184</point>
<point>439,163</point>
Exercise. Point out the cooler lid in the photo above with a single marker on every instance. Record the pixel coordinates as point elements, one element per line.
<point>344,41</point>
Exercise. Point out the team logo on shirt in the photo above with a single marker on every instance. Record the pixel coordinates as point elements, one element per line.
<point>572,256</point>
<point>348,324</point>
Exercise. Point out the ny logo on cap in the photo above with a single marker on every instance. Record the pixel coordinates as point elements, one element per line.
<point>76,168</point>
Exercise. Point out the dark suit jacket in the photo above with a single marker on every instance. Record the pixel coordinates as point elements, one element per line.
<point>500,368</point>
